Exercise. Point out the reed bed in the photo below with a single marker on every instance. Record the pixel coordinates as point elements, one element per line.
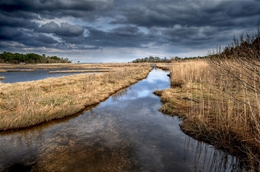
<point>216,107</point>
<point>77,71</point>
<point>5,66</point>
<point>29,103</point>
<point>163,66</point>
<point>2,77</point>
<point>19,70</point>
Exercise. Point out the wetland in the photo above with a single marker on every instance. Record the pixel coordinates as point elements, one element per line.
<point>126,132</point>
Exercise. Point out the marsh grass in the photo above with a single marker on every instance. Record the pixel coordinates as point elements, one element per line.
<point>2,77</point>
<point>19,70</point>
<point>216,108</point>
<point>77,71</point>
<point>29,103</point>
<point>163,66</point>
<point>4,66</point>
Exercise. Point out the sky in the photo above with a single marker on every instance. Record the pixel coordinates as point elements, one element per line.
<point>123,30</point>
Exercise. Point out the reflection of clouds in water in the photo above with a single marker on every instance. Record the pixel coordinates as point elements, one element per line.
<point>157,79</point>
<point>143,93</point>
<point>156,75</point>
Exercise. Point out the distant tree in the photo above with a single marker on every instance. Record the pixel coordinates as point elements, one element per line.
<point>7,57</point>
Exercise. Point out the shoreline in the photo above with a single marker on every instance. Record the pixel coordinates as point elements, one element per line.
<point>27,104</point>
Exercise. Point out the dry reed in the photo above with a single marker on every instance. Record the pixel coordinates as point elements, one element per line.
<point>4,66</point>
<point>77,71</point>
<point>29,103</point>
<point>215,107</point>
<point>163,66</point>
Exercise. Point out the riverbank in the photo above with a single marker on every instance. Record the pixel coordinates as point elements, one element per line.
<point>213,108</point>
<point>26,104</point>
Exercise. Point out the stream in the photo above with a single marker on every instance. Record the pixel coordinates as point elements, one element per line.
<point>124,133</point>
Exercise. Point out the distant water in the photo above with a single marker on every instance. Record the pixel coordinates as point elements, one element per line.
<point>12,77</point>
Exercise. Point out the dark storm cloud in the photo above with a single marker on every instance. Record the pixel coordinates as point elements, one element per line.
<point>65,29</point>
<point>127,31</point>
<point>98,24</point>
<point>54,8</point>
<point>8,33</point>
<point>126,36</point>
<point>190,13</point>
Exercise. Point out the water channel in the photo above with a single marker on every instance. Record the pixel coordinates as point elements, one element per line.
<point>124,133</point>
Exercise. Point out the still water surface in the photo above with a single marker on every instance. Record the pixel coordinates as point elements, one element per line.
<point>12,77</point>
<point>124,133</point>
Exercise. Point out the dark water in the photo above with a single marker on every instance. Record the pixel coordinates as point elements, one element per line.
<point>124,133</point>
<point>11,77</point>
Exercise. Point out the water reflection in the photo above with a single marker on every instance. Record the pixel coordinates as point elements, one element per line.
<point>120,93</point>
<point>212,159</point>
<point>124,133</point>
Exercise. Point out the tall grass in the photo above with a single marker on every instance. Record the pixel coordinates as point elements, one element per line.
<point>219,98</point>
<point>28,103</point>
<point>216,108</point>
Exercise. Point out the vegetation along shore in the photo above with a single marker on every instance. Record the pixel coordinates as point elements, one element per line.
<point>218,98</point>
<point>26,104</point>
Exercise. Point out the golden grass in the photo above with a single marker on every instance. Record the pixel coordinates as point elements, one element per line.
<point>4,66</point>
<point>215,108</point>
<point>163,66</point>
<point>77,71</point>
<point>29,103</point>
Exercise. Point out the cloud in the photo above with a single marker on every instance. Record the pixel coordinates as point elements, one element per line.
<point>65,29</point>
<point>56,6</point>
<point>189,13</point>
<point>124,28</point>
<point>127,31</point>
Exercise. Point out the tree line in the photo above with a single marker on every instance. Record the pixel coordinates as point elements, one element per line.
<point>152,59</point>
<point>16,58</point>
<point>166,60</point>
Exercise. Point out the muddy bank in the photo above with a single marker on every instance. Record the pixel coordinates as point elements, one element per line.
<point>30,103</point>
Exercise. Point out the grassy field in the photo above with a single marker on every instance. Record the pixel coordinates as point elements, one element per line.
<point>215,107</point>
<point>6,66</point>
<point>29,103</point>
<point>77,71</point>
